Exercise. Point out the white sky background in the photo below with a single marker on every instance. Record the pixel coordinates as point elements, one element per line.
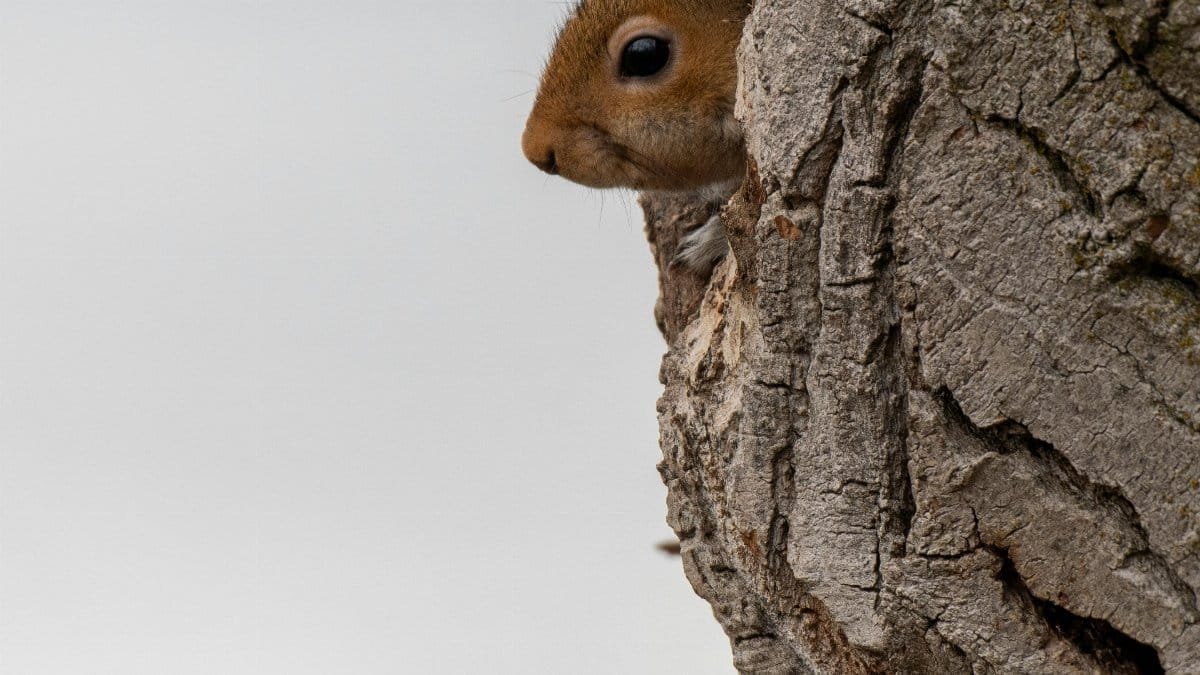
<point>303,369</point>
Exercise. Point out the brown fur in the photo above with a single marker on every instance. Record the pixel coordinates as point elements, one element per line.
<point>672,132</point>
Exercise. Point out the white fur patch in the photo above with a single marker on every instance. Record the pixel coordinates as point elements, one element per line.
<point>703,247</point>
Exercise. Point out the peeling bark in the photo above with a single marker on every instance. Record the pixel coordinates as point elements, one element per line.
<point>939,410</point>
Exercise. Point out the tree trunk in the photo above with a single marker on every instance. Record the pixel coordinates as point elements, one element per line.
<point>939,411</point>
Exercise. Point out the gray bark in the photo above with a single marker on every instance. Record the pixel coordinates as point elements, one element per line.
<point>939,411</point>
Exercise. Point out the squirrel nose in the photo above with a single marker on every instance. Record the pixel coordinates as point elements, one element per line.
<point>539,148</point>
<point>548,164</point>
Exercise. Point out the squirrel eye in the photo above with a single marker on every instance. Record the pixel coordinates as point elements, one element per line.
<point>645,56</point>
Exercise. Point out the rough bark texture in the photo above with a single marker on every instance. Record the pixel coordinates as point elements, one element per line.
<point>940,410</point>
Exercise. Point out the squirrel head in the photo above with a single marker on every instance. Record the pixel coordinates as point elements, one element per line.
<point>640,94</point>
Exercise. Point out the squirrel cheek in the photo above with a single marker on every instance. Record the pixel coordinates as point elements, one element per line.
<point>588,159</point>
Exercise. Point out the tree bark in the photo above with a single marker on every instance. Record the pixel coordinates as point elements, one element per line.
<point>939,411</point>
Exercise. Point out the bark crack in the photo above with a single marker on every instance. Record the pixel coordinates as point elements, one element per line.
<point>1115,651</point>
<point>1146,263</point>
<point>1008,436</point>
<point>1059,164</point>
<point>1134,57</point>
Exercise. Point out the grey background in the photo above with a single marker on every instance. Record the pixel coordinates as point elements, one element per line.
<point>303,369</point>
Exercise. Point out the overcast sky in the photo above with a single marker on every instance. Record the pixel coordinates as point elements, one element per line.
<point>303,369</point>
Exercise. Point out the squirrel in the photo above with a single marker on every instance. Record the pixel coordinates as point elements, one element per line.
<point>640,94</point>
